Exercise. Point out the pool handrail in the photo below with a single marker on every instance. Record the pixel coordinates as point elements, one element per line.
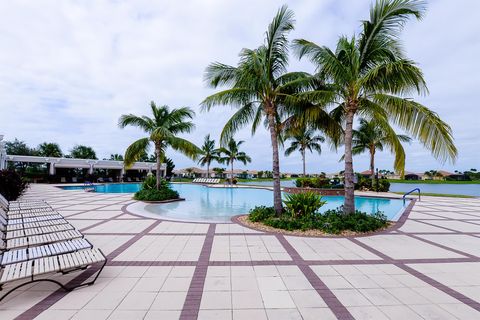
<point>409,192</point>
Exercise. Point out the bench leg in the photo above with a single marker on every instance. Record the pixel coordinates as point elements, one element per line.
<point>32,281</point>
<point>64,287</point>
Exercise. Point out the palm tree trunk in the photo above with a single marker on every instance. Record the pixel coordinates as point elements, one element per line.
<point>349,204</point>
<point>157,153</point>
<point>231,173</point>
<point>303,160</point>
<point>208,170</point>
<point>277,196</point>
<point>372,166</point>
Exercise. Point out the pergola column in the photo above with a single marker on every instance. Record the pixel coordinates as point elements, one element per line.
<point>52,168</point>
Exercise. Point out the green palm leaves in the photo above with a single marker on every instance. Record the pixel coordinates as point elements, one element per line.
<point>162,128</point>
<point>371,76</point>
<point>260,88</point>
<point>208,153</point>
<point>303,139</point>
<point>231,153</point>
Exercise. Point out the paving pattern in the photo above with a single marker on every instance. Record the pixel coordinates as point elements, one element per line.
<point>428,267</point>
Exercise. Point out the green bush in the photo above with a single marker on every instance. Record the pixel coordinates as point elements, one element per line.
<point>303,204</point>
<point>312,182</point>
<point>331,221</point>
<point>366,184</point>
<point>150,182</point>
<point>261,213</point>
<point>156,195</point>
<point>12,185</point>
<point>149,191</point>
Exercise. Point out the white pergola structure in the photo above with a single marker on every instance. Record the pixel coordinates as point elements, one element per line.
<point>89,164</point>
<point>3,154</point>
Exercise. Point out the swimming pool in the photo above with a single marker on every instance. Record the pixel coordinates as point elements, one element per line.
<point>220,204</point>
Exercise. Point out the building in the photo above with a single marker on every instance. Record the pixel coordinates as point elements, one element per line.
<point>77,170</point>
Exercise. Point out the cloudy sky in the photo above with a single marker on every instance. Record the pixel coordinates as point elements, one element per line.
<point>69,69</point>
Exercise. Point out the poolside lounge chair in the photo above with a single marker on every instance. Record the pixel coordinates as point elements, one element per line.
<point>74,179</point>
<point>62,263</point>
<point>30,249</point>
<point>129,179</point>
<point>63,179</point>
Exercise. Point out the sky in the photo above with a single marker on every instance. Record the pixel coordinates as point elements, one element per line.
<point>70,68</point>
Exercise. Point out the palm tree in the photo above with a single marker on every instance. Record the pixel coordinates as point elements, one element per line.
<point>303,139</point>
<point>208,153</point>
<point>260,87</point>
<point>116,157</point>
<point>372,136</point>
<point>231,153</point>
<point>162,130</point>
<point>370,75</point>
<point>49,149</point>
<point>83,152</point>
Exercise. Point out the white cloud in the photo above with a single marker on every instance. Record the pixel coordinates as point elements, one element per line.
<point>71,68</point>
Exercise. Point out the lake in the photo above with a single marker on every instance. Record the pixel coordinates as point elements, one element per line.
<point>464,189</point>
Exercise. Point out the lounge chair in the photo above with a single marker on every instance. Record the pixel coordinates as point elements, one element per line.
<point>63,179</point>
<point>62,263</point>
<point>19,255</point>
<point>74,180</point>
<point>30,249</point>
<point>129,179</point>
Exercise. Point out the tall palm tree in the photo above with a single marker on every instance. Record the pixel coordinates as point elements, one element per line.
<point>162,130</point>
<point>232,153</point>
<point>208,153</point>
<point>372,136</point>
<point>260,87</point>
<point>303,139</point>
<point>370,75</point>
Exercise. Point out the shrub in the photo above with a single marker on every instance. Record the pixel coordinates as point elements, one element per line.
<point>261,213</point>
<point>149,191</point>
<point>156,195</point>
<point>366,184</point>
<point>303,204</point>
<point>150,182</point>
<point>332,221</point>
<point>312,182</point>
<point>12,185</point>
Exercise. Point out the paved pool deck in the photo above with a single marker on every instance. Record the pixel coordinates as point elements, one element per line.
<point>428,268</point>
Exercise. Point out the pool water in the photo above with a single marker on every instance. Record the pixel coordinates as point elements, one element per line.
<point>220,204</point>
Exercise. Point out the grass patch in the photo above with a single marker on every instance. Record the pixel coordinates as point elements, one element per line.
<point>433,181</point>
<point>439,195</point>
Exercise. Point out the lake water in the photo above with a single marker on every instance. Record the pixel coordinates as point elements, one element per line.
<point>464,189</point>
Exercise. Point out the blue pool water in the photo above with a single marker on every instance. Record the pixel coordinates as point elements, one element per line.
<point>220,204</point>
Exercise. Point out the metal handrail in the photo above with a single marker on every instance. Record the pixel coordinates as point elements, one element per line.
<point>409,192</point>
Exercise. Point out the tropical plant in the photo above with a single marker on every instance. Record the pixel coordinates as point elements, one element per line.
<point>303,139</point>
<point>370,75</point>
<point>232,153</point>
<point>49,149</point>
<point>83,152</point>
<point>372,136</point>
<point>260,87</point>
<point>162,130</point>
<point>116,157</point>
<point>303,204</point>
<point>208,153</point>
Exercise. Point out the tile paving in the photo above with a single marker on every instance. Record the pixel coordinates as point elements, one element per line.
<point>426,267</point>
